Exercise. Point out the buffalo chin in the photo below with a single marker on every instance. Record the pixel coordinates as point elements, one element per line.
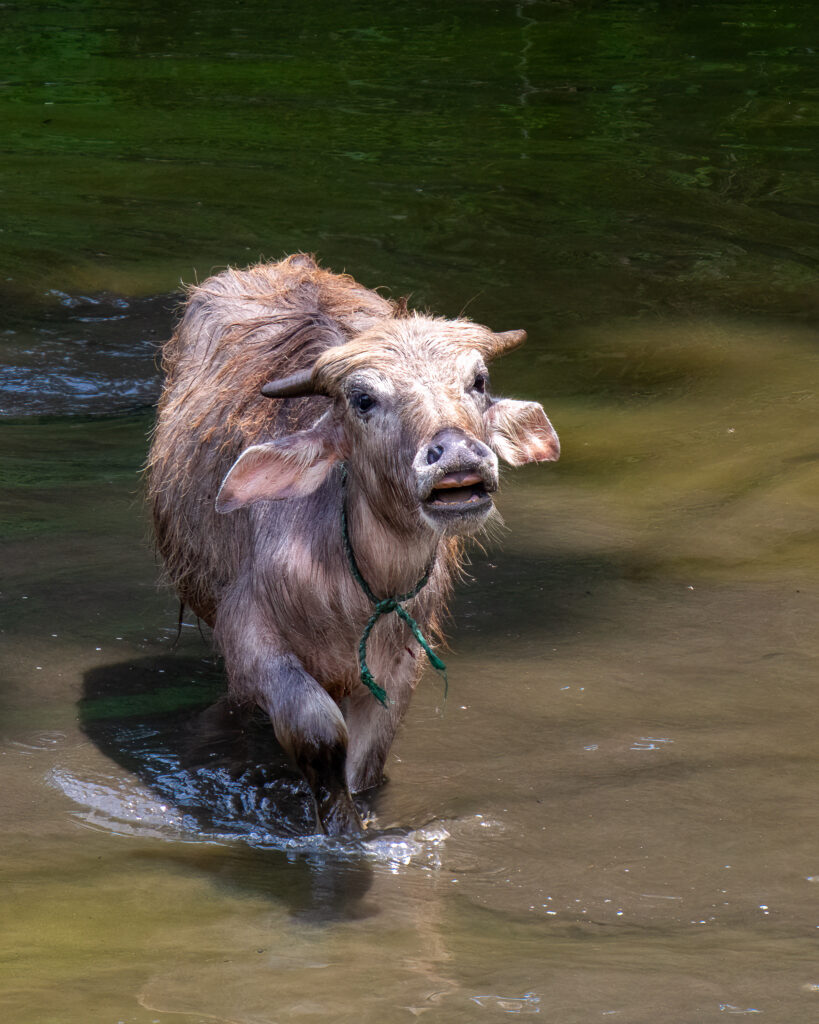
<point>457,516</point>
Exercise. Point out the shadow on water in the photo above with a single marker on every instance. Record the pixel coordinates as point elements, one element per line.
<point>315,890</point>
<point>217,763</point>
<point>222,781</point>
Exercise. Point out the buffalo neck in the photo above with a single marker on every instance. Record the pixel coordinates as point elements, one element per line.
<point>391,554</point>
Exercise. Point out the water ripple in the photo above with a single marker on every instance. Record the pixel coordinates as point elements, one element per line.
<point>123,806</point>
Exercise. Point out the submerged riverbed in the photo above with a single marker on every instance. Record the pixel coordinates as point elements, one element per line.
<point>613,815</point>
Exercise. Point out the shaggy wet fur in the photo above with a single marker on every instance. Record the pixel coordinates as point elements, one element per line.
<point>271,576</point>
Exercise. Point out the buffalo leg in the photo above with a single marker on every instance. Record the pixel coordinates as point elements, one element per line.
<point>372,729</point>
<point>310,727</point>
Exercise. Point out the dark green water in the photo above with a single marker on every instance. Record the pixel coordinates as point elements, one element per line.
<point>616,817</point>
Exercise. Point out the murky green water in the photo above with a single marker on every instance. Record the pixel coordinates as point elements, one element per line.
<point>616,815</point>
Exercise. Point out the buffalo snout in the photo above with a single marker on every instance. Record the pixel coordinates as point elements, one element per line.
<point>457,474</point>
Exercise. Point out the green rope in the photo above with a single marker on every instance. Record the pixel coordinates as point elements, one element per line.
<point>384,607</point>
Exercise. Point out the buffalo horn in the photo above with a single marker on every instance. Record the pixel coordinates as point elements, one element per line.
<point>505,341</point>
<point>295,386</point>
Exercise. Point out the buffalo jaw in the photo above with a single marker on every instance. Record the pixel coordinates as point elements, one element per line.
<point>458,502</point>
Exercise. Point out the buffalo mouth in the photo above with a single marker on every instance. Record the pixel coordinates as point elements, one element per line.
<point>457,493</point>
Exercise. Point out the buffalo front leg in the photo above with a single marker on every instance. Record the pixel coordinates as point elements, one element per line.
<point>372,728</point>
<point>310,727</point>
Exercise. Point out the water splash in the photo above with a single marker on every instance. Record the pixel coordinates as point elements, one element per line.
<point>125,807</point>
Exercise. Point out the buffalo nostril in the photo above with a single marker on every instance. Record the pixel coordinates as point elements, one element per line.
<point>434,453</point>
<point>479,448</point>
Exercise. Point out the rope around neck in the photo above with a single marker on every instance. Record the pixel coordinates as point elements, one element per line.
<point>384,607</point>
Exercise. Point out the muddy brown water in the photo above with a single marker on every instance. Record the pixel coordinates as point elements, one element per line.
<point>614,813</point>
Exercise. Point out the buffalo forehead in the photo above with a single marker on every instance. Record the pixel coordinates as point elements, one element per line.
<point>419,349</point>
<point>448,369</point>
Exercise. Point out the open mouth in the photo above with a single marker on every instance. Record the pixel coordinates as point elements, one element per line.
<point>458,490</point>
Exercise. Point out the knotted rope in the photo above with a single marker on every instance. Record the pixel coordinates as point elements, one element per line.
<point>384,607</point>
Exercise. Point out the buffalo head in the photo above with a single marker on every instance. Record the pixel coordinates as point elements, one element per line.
<point>413,418</point>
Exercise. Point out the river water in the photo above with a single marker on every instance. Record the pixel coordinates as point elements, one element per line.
<point>614,814</point>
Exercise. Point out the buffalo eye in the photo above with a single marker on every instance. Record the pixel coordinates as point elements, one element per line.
<point>362,402</point>
<point>480,383</point>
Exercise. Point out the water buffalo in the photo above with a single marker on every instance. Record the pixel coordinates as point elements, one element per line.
<point>320,453</point>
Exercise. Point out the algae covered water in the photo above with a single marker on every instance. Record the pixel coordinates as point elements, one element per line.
<point>614,814</point>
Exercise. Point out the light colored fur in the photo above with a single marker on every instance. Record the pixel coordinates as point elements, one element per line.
<point>271,575</point>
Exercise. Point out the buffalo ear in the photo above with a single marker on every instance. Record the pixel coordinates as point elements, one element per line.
<point>520,432</point>
<point>291,467</point>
